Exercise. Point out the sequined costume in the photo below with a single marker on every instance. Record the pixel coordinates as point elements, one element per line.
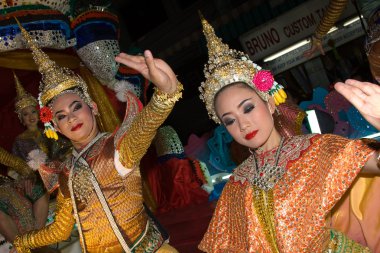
<point>14,201</point>
<point>293,215</point>
<point>109,158</point>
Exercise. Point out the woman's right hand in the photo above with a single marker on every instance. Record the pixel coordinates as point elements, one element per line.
<point>364,96</point>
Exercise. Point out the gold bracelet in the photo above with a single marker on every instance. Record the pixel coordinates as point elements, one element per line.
<point>166,98</point>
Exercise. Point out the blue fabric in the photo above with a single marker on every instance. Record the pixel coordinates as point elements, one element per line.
<point>93,31</point>
<point>44,25</point>
<point>219,145</point>
<point>361,126</point>
<point>218,188</point>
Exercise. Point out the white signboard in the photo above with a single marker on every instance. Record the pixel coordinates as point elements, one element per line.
<point>296,57</point>
<point>287,29</point>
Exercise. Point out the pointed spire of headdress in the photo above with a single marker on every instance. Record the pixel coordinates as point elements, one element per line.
<point>55,79</point>
<point>19,89</point>
<point>218,52</point>
<point>23,98</point>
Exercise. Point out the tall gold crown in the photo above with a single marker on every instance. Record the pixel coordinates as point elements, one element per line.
<point>225,66</point>
<point>23,99</point>
<point>55,79</point>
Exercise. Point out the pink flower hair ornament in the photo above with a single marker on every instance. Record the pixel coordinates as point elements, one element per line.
<point>264,81</point>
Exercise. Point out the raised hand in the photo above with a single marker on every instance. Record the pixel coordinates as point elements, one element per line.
<point>315,45</point>
<point>156,70</point>
<point>364,96</point>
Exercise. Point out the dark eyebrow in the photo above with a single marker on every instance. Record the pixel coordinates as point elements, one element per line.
<point>239,105</point>
<point>71,105</point>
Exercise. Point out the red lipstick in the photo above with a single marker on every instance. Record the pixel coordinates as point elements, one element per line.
<point>77,127</point>
<point>251,135</point>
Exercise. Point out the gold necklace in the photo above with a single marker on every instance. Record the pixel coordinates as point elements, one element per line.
<point>264,180</point>
<point>268,175</point>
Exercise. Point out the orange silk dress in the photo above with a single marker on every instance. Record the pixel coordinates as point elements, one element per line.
<point>318,171</point>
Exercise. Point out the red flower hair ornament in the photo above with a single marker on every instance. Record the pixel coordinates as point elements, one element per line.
<point>46,116</point>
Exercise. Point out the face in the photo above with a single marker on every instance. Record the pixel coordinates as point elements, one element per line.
<point>75,119</point>
<point>29,117</point>
<point>245,115</point>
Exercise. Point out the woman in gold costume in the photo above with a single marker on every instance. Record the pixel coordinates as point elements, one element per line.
<point>280,197</point>
<point>24,202</point>
<point>99,184</point>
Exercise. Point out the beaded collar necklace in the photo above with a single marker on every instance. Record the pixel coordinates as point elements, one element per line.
<point>268,175</point>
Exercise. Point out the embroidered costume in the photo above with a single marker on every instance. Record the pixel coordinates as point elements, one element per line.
<point>99,187</point>
<point>278,200</point>
<point>291,214</point>
<point>14,201</point>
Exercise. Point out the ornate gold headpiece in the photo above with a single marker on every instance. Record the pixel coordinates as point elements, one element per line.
<point>226,66</point>
<point>23,99</point>
<point>55,81</point>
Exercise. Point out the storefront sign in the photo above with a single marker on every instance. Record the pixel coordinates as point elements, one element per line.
<point>296,57</point>
<point>287,29</point>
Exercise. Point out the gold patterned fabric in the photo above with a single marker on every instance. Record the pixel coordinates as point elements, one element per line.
<point>319,169</point>
<point>124,197</point>
<point>123,192</point>
<point>16,163</point>
<point>57,231</point>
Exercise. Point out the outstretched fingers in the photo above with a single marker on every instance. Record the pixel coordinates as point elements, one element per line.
<point>366,87</point>
<point>149,60</point>
<point>353,94</point>
<point>132,61</point>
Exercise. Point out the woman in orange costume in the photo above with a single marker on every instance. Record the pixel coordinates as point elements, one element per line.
<point>99,184</point>
<point>279,198</point>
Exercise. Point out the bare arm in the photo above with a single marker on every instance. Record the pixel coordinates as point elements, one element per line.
<point>331,15</point>
<point>372,167</point>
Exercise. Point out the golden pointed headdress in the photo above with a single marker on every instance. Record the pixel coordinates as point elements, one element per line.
<point>55,79</point>
<point>23,99</point>
<point>226,66</point>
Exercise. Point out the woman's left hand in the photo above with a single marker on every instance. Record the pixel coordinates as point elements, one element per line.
<point>364,96</point>
<point>156,70</point>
